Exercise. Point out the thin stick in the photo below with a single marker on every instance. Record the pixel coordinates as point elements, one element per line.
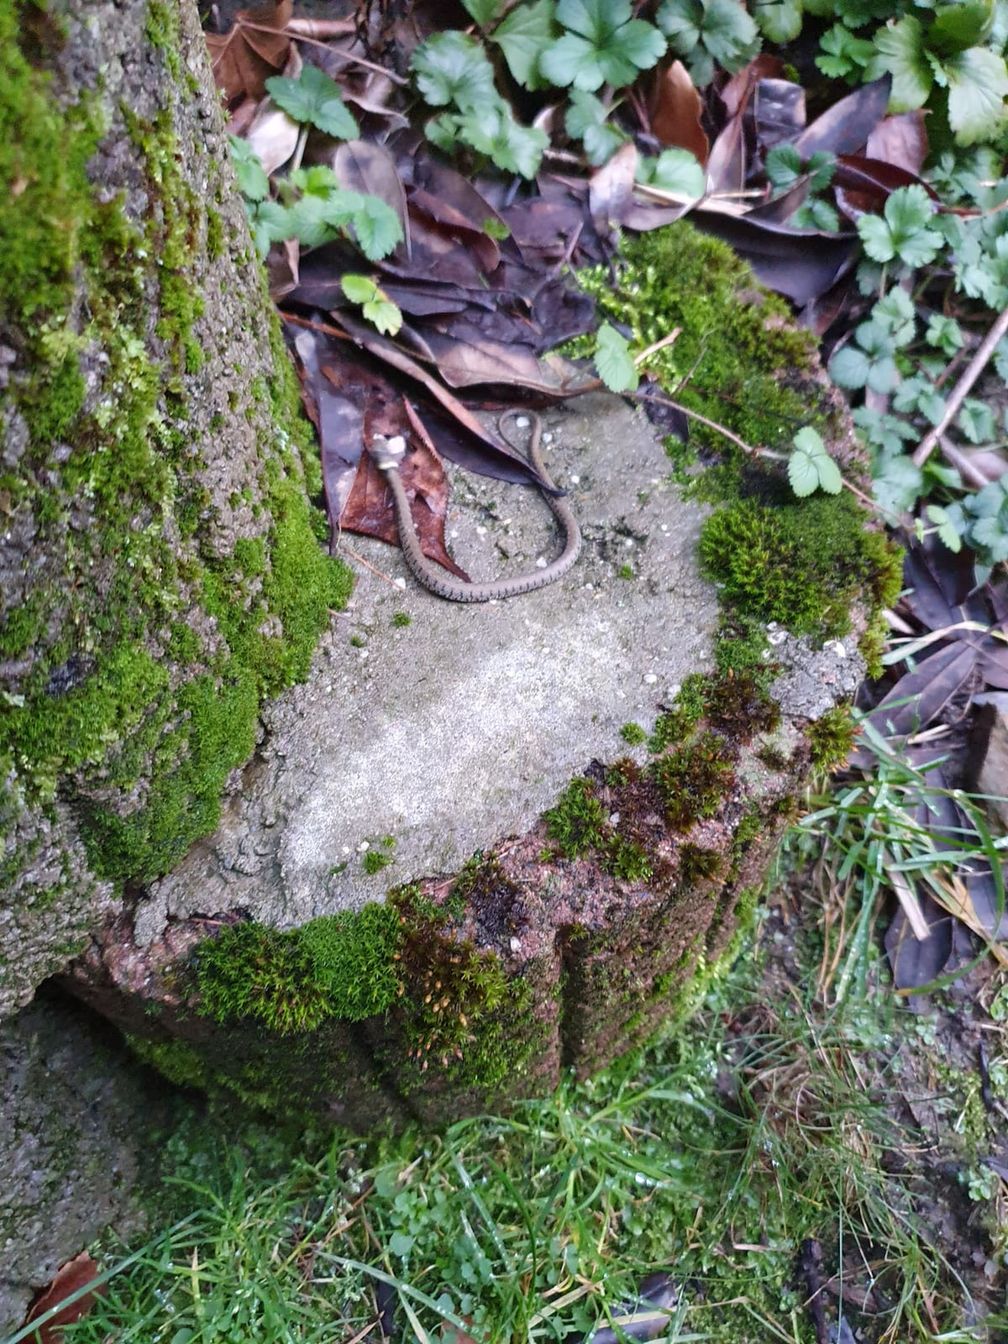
<point>962,388</point>
<point>670,339</point>
<point>368,565</point>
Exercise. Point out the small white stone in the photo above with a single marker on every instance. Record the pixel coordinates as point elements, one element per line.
<point>776,637</point>
<point>522,421</point>
<point>628,543</point>
<point>453,534</point>
<point>400,583</point>
<point>650,678</point>
<point>515,944</point>
<point>664,527</point>
<point>575,480</point>
<point>836,647</point>
<point>541,562</point>
<point>364,845</point>
<point>548,436</point>
<point>346,849</point>
<point>614,818</point>
<point>481,531</point>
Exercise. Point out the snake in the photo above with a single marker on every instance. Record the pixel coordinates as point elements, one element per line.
<point>387,455</point>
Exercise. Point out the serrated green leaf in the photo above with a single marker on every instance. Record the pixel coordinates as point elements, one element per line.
<point>849,367</point>
<point>674,170</point>
<point>898,484</point>
<point>452,68</point>
<point>709,32</point>
<point>523,36</point>
<point>271,223</point>
<point>375,304</point>
<point>604,45</point>
<point>816,214</point>
<point>948,533</point>
<point>977,85</point>
<point>830,479</point>
<point>802,473</point>
<point>944,333</point>
<point>358,288</point>
<point>904,231</point>
<point>377,227</point>
<point>483,11</point>
<point>896,315</point>
<point>252,180</point>
<point>977,422</point>
<point>584,110</point>
<point>901,51</point>
<point>492,130</point>
<point>956,27</point>
<point>784,166</point>
<point>315,98</point>
<point>613,360</point>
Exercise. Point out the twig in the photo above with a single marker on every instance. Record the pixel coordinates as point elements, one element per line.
<point>356,555</point>
<point>962,388</point>
<point>333,51</point>
<point>670,339</point>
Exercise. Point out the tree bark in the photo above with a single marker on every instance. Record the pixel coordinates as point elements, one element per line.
<point>160,565</point>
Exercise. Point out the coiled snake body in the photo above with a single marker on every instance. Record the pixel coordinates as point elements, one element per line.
<point>388,453</point>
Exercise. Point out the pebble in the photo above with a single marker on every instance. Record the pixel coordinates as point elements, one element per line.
<point>575,480</point>
<point>541,562</point>
<point>522,421</point>
<point>650,678</point>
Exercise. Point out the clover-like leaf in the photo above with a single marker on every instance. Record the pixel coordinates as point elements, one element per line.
<point>375,304</point>
<point>896,315</point>
<point>903,230</point>
<point>709,32</point>
<point>452,68</point>
<point>976,420</point>
<point>603,45</point>
<point>944,333</point>
<point>523,36</point>
<point>252,180</point>
<point>314,98</point>
<point>376,227</point>
<point>810,466</point>
<point>613,360</point>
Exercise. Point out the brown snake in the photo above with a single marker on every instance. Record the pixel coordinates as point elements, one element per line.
<point>388,453</point>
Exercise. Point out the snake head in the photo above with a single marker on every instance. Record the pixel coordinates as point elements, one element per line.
<point>387,454</point>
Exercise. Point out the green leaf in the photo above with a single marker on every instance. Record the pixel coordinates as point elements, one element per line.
<point>896,315</point>
<point>810,466</point>
<point>613,360</point>
<point>314,97</point>
<point>400,1243</point>
<point>816,214</point>
<point>377,307</point>
<point>977,84</point>
<point>523,36</point>
<point>898,484</point>
<point>900,48</point>
<point>675,170</point>
<point>956,27</point>
<point>849,368</point>
<point>483,11</point>
<point>904,231</point>
<point>705,32</point>
<point>944,333</point>
<point>844,56</point>
<point>585,120</point>
<point>452,68</point>
<point>376,226</point>
<point>604,45</point>
<point>784,166</point>
<point>779,20</point>
<point>252,180</point>
<point>977,422</point>
<point>493,131</point>
<point>948,534</point>
<point>270,223</point>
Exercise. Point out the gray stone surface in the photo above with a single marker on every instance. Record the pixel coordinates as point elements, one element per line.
<point>76,1123</point>
<point>461,727</point>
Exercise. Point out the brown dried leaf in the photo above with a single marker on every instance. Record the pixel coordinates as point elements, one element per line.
<point>257,47</point>
<point>675,111</point>
<point>610,187</point>
<point>845,127</point>
<point>366,167</point>
<point>75,1274</point>
<point>901,140</point>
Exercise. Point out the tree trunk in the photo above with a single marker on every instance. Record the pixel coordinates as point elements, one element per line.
<point>161,568</point>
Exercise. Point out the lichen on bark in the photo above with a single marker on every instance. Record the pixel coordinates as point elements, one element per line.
<point>161,566</point>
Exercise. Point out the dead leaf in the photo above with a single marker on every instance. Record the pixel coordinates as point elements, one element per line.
<point>675,111</point>
<point>272,135</point>
<point>370,169</point>
<point>69,1279</point>
<point>610,188</point>
<point>845,127</point>
<point>256,48</point>
<point>901,140</point>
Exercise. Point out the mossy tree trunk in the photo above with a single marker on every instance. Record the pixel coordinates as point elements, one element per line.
<point>160,565</point>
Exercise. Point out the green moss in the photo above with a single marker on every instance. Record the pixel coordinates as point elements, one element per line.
<point>578,822</point>
<point>400,619</point>
<point>831,738</point>
<point>803,563</point>
<point>180,1063</point>
<point>739,705</point>
<point>697,864</point>
<point>678,722</point>
<point>375,860</point>
<point>694,780</point>
<point>633,734</point>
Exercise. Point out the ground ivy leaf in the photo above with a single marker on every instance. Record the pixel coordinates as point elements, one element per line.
<point>314,97</point>
<point>613,360</point>
<point>977,84</point>
<point>901,51</point>
<point>523,36</point>
<point>452,68</point>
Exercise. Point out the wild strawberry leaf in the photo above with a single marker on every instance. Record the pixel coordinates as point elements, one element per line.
<point>314,98</point>
<point>522,36</point>
<point>902,231</point>
<point>451,68</point>
<point>810,466</point>
<point>252,180</point>
<point>708,33</point>
<point>585,120</point>
<point>674,170</point>
<point>603,45</point>
<point>900,48</point>
<point>977,85</point>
